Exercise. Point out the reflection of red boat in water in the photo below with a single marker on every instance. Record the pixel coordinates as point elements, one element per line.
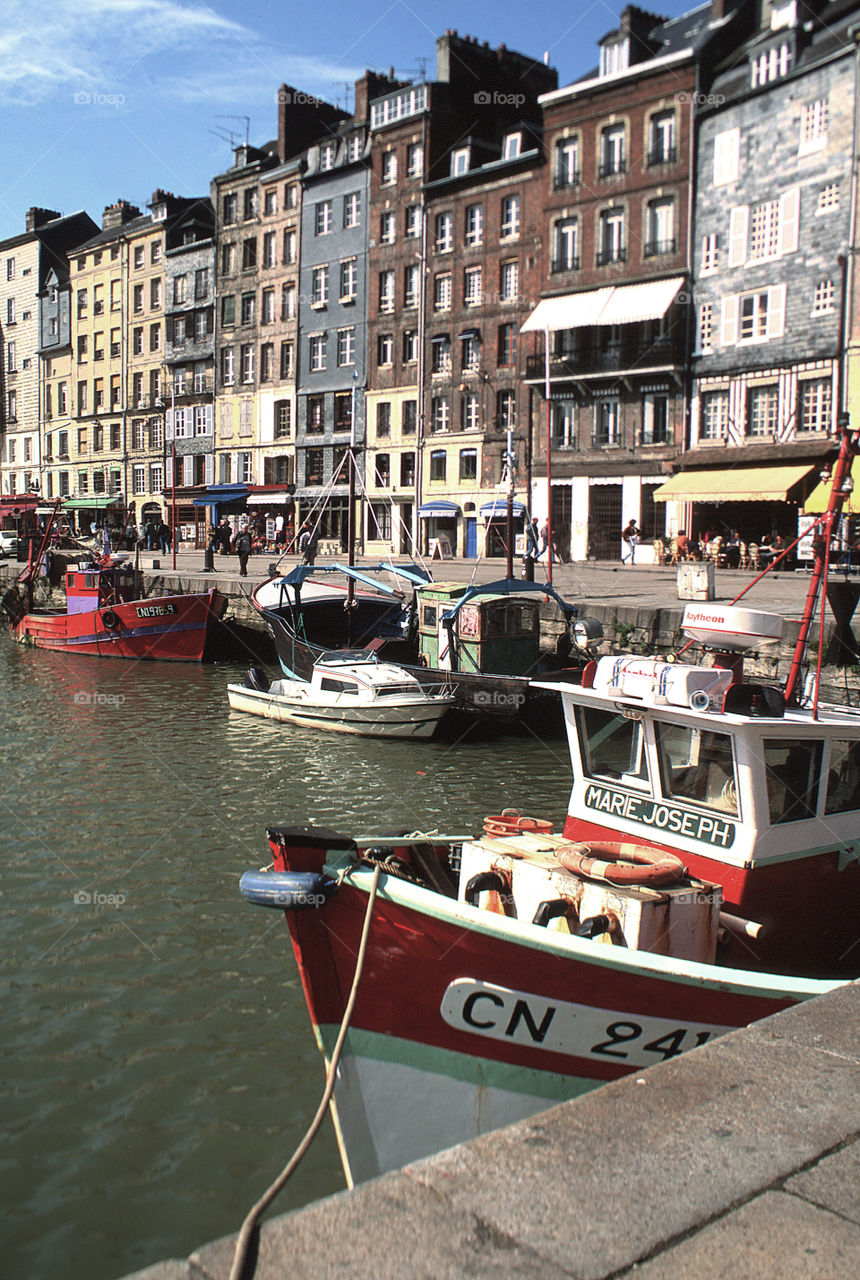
<point>106,617</point>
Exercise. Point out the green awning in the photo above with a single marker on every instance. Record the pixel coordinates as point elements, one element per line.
<point>95,502</point>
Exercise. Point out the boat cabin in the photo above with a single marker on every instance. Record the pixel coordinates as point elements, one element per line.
<point>90,588</point>
<point>496,634</point>
<point>355,674</point>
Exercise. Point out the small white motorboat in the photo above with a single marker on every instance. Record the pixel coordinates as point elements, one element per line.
<point>350,691</point>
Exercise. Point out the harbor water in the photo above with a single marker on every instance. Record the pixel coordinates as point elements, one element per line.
<point>159,1066</point>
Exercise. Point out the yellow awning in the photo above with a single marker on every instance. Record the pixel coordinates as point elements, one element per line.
<point>820,496</point>
<point>740,484</point>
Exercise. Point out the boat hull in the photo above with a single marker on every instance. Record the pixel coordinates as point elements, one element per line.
<point>467,1020</point>
<point>413,718</point>
<point>164,628</point>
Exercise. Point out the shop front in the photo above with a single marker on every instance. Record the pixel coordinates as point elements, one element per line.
<point>272,517</point>
<point>495,514</point>
<point>439,523</point>
<point>90,513</point>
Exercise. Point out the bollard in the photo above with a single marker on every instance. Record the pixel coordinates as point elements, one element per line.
<point>209,560</point>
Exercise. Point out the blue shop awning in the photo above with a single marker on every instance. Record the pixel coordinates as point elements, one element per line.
<point>440,510</point>
<point>498,509</point>
<point>219,495</point>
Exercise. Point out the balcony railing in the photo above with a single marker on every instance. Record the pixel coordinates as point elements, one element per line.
<point>631,353</point>
<point>657,248</point>
<point>612,253</point>
<point>612,167</point>
<point>569,262</point>
<point>562,181</point>
<point>662,155</point>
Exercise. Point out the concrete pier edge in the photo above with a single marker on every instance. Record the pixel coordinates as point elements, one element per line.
<point>740,1158</point>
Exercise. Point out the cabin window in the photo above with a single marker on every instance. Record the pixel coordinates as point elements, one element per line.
<point>843,780</point>
<point>793,772</point>
<point>612,746</point>
<point>336,686</point>
<point>697,765</point>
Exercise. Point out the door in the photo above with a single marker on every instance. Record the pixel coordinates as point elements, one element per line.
<point>404,513</point>
<point>471,537</point>
<point>604,521</point>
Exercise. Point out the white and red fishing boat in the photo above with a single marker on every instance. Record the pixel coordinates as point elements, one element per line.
<point>106,617</point>
<point>706,874</point>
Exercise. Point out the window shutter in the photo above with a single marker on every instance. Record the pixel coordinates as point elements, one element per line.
<point>790,220</point>
<point>210,468</point>
<point>188,469</point>
<point>726,156</point>
<point>738,230</point>
<point>729,321</point>
<point>776,311</point>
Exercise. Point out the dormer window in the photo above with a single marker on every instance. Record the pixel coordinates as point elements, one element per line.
<point>460,161</point>
<point>512,146</point>
<point>783,13</point>
<point>771,64</point>
<point>327,154</point>
<point>614,56</point>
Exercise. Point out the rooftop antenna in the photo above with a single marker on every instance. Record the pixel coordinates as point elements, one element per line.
<point>247,120</point>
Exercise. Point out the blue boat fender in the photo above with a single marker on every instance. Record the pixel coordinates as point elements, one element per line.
<point>287,890</point>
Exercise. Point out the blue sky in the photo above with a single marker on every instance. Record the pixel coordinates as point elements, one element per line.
<point>109,99</point>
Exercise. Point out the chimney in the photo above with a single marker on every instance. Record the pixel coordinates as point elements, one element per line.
<point>116,215</point>
<point>38,217</point>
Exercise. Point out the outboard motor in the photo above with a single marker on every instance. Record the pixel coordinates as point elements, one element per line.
<point>256,678</point>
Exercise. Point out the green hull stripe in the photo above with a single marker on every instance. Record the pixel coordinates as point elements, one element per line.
<point>456,1066</point>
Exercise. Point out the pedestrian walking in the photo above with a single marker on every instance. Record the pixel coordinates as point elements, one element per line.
<point>630,538</point>
<point>242,546</point>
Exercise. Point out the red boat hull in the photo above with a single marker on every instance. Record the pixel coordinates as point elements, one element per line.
<point>165,629</point>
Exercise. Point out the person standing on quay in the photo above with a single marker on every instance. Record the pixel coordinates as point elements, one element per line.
<point>242,545</point>
<point>630,538</point>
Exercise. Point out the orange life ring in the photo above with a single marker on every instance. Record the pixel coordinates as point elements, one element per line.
<point>510,822</point>
<point>620,863</point>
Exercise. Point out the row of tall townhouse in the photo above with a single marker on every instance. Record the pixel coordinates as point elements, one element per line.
<point>636,290</point>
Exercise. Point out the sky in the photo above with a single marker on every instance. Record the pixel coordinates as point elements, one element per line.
<point>103,100</point>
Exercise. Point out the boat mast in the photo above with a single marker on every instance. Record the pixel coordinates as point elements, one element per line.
<point>350,552</point>
<point>509,514</point>
<point>840,487</point>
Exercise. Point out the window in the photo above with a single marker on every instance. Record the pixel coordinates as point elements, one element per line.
<point>270,249</point>
<point>828,197</point>
<point>290,247</point>
<point>348,279</point>
<point>345,346</point>
<point>267,362</point>
<point>246,356</point>
<point>10,310</point>
<point>137,299</point>
<point>411,285</point>
<point>270,203</point>
<point>228,311</point>
<point>823,299</point>
<point>388,226</point>
<point>510,282</point>
<point>510,219</point>
<point>354,147</point>
<point>661,228</point>
<point>507,344</point>
<point>154,253</point>
<point>323,222</point>
<point>249,254</point>
<point>139,256</point>
<point>727,147</point>
<point>512,146</point>
<point>314,466</point>
<point>470,351</point>
<point>268,299</point>
<point>380,520</point>
<point>319,286</point>
<point>382,467</point>
<point>228,259</point>
<point>710,253</point>
<point>706,326</point>
<point>249,308</point>
<point>180,288</point>
<point>155,337</point>
<point>565,245</point>
<point>155,293</point>
<point>444,241</point>
<point>288,302</point>
<point>343,411</point>
<point>415,160</point>
<point>230,208</point>
<point>315,423</point>
<point>410,346</point>
<point>11,357</point>
<point>316,352</point>
<point>470,420</point>
<point>506,416</point>
<point>442,292</point>
<point>756,316</point>
<point>385,349</point>
<point>409,418</point>
<point>227,366</point>
<point>351,210</point>
<point>460,161</point>
<point>386,291</point>
<point>13,413</point>
<point>138,480</point>
<point>764,230</point>
<point>814,410</point>
<point>288,362</point>
<point>441,357</point>
<point>661,139</point>
<point>763,411</point>
<point>407,469</point>
<point>412,225</point>
<point>249,203</point>
<point>612,153</point>
<point>655,418</point>
<point>474,225</point>
<point>793,773</point>
<point>608,422</point>
<point>770,65</point>
<point>472,288</point>
<point>468,464</point>
<point>611,246</point>
<point>389,167</point>
<point>283,419</point>
<point>328,151</point>
<point>438,464</point>
<point>10,268</point>
<point>383,418</point>
<point>440,414</point>
<point>813,126</point>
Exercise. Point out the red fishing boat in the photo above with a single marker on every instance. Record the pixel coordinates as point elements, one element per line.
<point>706,874</point>
<point>106,616</point>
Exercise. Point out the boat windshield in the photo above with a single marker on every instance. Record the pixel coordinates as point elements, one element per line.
<point>612,746</point>
<point>793,772</point>
<point>697,765</point>
<point>337,657</point>
<point>843,783</point>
